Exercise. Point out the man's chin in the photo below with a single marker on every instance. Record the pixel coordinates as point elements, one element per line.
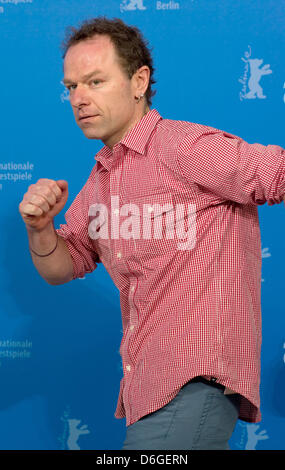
<point>91,134</point>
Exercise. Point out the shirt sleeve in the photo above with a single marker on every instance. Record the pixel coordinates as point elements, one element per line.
<point>75,234</point>
<point>231,168</point>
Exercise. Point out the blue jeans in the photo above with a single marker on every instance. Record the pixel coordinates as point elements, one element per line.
<point>199,417</point>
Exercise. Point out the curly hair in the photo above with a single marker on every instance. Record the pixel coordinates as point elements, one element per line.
<point>131,47</point>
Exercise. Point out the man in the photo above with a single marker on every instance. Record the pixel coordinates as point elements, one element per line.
<point>190,309</point>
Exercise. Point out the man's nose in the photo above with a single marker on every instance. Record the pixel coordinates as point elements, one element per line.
<point>79,97</point>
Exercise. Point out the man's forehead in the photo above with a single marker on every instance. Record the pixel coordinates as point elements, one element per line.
<point>86,55</point>
<point>96,46</point>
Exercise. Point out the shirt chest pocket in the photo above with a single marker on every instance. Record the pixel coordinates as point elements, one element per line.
<point>149,228</point>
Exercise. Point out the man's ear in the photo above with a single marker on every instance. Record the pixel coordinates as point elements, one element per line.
<point>141,79</point>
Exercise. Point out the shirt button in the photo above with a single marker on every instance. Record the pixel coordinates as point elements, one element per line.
<point>119,254</point>
<point>132,327</point>
<point>132,288</point>
<point>150,209</point>
<point>128,368</point>
<point>116,211</point>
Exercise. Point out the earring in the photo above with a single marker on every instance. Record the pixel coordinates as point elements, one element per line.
<point>138,98</point>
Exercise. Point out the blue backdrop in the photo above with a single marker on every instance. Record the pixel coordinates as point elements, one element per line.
<point>218,63</point>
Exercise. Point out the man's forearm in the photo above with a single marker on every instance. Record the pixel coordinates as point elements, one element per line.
<point>57,267</point>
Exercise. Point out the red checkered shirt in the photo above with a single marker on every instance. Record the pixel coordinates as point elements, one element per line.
<point>185,312</point>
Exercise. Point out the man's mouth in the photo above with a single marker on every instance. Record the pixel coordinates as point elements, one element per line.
<point>83,118</point>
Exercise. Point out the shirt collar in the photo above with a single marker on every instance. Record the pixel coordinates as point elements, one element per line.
<point>136,139</point>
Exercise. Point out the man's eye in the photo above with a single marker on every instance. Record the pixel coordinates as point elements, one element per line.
<point>95,82</point>
<point>71,87</point>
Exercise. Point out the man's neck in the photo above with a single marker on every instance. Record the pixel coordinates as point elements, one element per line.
<point>133,123</point>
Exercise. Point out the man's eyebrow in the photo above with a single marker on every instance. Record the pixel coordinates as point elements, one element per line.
<point>84,78</point>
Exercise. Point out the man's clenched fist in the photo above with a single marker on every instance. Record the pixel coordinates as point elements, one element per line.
<point>42,202</point>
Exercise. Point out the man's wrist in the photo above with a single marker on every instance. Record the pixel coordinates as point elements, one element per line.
<point>47,254</point>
